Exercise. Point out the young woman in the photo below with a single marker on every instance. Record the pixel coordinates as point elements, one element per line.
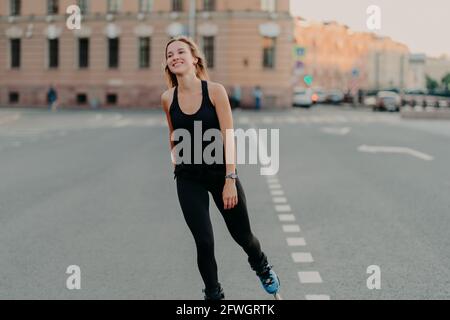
<point>190,99</point>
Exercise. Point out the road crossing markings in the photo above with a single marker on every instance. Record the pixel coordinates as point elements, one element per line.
<point>402,150</point>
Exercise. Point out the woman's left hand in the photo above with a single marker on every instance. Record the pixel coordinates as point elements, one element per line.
<point>230,198</point>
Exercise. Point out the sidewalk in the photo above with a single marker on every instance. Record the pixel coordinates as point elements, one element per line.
<point>432,113</point>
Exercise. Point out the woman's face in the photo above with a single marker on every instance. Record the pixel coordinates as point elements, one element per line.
<point>179,58</point>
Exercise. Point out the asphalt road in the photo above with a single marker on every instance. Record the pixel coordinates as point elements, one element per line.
<point>96,190</point>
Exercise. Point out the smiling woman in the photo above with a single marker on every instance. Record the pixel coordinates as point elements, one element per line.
<point>192,100</point>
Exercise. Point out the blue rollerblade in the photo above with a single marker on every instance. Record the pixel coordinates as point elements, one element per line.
<point>269,279</point>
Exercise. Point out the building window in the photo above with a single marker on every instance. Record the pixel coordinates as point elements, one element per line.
<point>83,5</point>
<point>114,6</point>
<point>208,50</point>
<point>53,53</point>
<point>113,53</point>
<point>268,5</point>
<point>81,98</point>
<point>13,97</point>
<point>111,98</point>
<point>52,7</point>
<point>83,53</point>
<point>144,52</point>
<point>177,5</point>
<point>269,53</point>
<point>145,5</point>
<point>14,7</point>
<point>15,53</point>
<point>209,5</point>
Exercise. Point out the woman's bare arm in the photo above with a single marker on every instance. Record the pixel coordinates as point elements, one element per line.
<point>223,110</point>
<point>165,101</point>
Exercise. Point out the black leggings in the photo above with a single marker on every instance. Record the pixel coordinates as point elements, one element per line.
<point>194,200</point>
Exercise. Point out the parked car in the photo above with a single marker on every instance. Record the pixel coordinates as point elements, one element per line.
<point>370,101</point>
<point>303,98</point>
<point>319,96</point>
<point>388,101</point>
<point>335,96</point>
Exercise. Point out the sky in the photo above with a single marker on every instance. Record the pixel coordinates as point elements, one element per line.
<point>422,25</point>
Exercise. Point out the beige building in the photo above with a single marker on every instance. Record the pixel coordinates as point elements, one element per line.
<point>338,58</point>
<point>437,67</point>
<point>422,66</point>
<point>116,57</point>
<point>416,80</point>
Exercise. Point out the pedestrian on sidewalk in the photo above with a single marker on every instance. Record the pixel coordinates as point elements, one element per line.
<point>237,96</point>
<point>192,98</point>
<point>258,94</point>
<point>52,98</point>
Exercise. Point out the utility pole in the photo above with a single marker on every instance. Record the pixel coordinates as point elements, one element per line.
<point>192,18</point>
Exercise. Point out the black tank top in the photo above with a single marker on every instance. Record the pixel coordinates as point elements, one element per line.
<point>207,115</point>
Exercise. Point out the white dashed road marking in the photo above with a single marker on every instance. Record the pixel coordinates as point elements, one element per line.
<point>296,242</point>
<point>317,297</point>
<point>274,186</point>
<point>286,217</point>
<point>291,228</point>
<point>309,277</point>
<point>302,257</point>
<point>283,208</point>
<point>277,192</point>
<point>279,200</point>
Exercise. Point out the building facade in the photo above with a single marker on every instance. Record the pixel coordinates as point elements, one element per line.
<point>338,58</point>
<point>116,57</point>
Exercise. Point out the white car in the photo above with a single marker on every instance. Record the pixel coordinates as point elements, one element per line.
<point>387,100</point>
<point>302,98</point>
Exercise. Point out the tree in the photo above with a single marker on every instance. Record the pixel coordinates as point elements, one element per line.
<point>431,84</point>
<point>446,81</point>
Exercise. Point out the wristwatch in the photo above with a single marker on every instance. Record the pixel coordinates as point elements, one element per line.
<point>231,176</point>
